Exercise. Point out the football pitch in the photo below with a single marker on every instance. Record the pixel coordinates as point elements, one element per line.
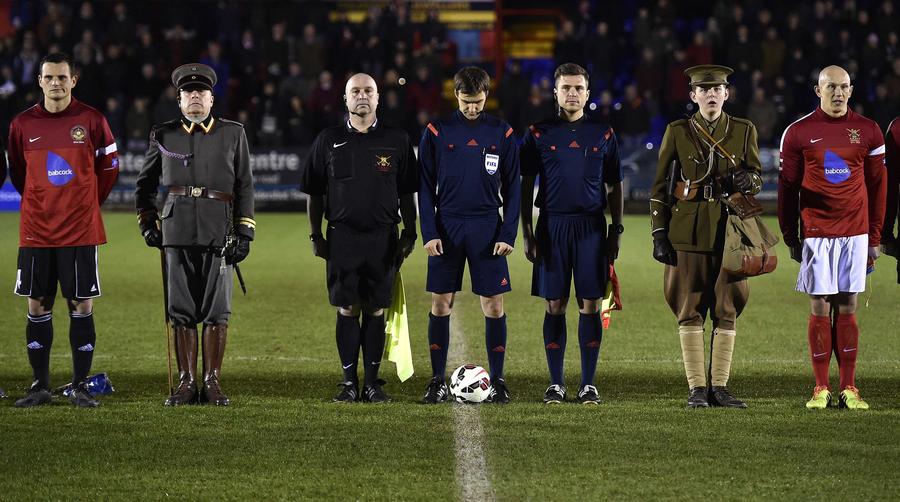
<point>282,438</point>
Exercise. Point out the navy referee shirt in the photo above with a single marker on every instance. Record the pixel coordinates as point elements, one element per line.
<point>361,175</point>
<point>573,161</point>
<point>469,168</point>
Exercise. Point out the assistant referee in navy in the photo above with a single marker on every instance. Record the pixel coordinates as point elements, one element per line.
<point>207,224</point>
<point>358,175</point>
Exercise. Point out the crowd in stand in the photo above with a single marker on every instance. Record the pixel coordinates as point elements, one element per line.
<point>281,66</point>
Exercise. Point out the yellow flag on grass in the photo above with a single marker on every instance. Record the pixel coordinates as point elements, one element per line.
<point>397,330</point>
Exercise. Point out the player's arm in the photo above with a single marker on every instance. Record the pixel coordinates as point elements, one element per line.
<point>748,177</point>
<point>145,191</point>
<point>106,163</point>
<point>16,159</point>
<point>428,162</point>
<point>892,161</point>
<point>876,185</point>
<point>243,207</point>
<point>511,193</point>
<point>530,163</point>
<point>314,182</point>
<point>612,177</point>
<point>244,226</point>
<point>660,200</point>
<point>2,166</point>
<point>790,178</point>
<point>408,184</point>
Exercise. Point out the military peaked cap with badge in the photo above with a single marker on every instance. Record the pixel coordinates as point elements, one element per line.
<point>708,74</point>
<point>193,76</point>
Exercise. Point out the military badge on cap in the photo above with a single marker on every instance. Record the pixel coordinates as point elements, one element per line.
<point>194,76</point>
<point>708,74</point>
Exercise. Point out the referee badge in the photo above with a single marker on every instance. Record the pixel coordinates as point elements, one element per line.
<point>383,163</point>
<point>491,163</point>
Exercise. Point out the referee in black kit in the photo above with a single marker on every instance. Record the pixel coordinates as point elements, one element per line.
<point>357,175</point>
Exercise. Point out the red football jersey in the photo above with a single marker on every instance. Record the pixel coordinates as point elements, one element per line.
<point>64,165</point>
<point>892,160</point>
<point>832,178</point>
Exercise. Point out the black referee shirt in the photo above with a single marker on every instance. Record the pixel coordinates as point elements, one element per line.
<point>361,175</point>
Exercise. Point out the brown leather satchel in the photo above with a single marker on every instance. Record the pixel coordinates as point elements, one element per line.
<point>744,206</point>
<point>749,247</point>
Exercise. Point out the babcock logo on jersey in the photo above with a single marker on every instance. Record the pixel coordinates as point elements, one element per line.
<point>59,172</point>
<point>836,168</point>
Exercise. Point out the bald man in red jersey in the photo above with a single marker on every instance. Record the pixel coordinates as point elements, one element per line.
<point>833,182</point>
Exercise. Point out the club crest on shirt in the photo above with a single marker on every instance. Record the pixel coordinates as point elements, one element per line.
<point>383,163</point>
<point>854,136</point>
<point>77,134</point>
<point>491,163</point>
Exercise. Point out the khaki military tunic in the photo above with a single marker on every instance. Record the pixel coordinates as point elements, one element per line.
<point>695,218</point>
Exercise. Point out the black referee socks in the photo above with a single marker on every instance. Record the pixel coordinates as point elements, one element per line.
<point>82,338</point>
<point>373,338</point>
<point>347,335</point>
<point>39,338</point>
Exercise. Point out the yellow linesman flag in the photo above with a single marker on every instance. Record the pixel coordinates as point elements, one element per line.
<point>397,330</point>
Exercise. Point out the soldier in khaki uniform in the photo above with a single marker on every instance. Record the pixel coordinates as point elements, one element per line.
<point>688,227</point>
<point>206,225</point>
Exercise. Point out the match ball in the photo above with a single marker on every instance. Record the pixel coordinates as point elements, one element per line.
<point>470,384</point>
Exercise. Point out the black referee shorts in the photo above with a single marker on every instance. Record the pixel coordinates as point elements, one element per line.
<point>361,266</point>
<point>74,268</point>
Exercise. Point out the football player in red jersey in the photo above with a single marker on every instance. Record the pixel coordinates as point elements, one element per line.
<point>63,161</point>
<point>892,161</point>
<point>833,182</point>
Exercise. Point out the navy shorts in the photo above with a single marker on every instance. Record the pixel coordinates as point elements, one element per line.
<point>570,246</point>
<point>361,266</point>
<point>468,239</point>
<point>74,268</point>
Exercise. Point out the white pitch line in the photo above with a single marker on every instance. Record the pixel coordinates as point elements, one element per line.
<point>472,478</point>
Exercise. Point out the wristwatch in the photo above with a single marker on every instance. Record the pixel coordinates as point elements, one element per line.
<point>313,237</point>
<point>618,228</point>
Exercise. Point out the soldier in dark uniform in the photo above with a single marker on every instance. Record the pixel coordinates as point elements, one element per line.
<point>688,226</point>
<point>358,175</point>
<point>206,224</point>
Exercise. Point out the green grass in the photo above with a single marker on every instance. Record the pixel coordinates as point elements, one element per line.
<point>283,439</point>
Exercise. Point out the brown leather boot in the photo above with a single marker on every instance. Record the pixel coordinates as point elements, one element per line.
<point>186,356</point>
<point>214,336</point>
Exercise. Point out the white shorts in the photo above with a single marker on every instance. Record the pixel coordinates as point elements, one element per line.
<point>833,265</point>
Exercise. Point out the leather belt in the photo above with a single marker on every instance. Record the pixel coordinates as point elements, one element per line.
<point>695,193</point>
<point>200,192</point>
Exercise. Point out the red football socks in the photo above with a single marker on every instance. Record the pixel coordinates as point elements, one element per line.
<point>819,333</point>
<point>847,344</point>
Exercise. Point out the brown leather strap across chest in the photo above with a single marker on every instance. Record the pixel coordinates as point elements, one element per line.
<point>200,192</point>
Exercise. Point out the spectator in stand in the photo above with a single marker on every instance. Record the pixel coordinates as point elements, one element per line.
<point>311,52</point>
<point>296,124</point>
<point>424,93</point>
<point>764,115</point>
<point>635,120</point>
<point>773,53</point>
<point>324,102</point>
<point>512,91</point>
<point>600,48</point>
<point>699,52</point>
<point>137,125</point>
<point>266,118</point>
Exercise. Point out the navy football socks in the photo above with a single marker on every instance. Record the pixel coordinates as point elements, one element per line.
<point>82,338</point>
<point>439,344</point>
<point>373,338</point>
<point>555,345</point>
<point>39,338</point>
<point>347,335</point>
<point>589,337</point>
<point>495,342</point>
